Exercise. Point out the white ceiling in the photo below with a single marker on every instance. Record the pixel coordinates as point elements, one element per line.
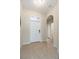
<point>29,4</point>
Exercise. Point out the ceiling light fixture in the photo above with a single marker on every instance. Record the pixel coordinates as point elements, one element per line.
<point>39,2</point>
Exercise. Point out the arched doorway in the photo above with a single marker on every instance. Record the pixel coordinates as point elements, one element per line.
<point>50,26</point>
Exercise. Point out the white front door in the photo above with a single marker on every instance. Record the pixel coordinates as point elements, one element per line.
<point>35,29</point>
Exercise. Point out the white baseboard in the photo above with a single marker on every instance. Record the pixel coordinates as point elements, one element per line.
<point>25,43</point>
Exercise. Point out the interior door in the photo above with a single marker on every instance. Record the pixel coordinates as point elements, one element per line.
<point>35,29</point>
<point>49,31</point>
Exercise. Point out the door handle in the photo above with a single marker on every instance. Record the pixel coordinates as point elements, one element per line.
<point>39,31</point>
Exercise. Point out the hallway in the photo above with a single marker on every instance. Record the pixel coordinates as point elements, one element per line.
<point>39,27</point>
<point>39,50</point>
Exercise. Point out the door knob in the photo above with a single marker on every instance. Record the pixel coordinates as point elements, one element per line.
<point>39,31</point>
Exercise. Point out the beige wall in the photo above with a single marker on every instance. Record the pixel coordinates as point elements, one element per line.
<point>55,14</point>
<point>25,26</point>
